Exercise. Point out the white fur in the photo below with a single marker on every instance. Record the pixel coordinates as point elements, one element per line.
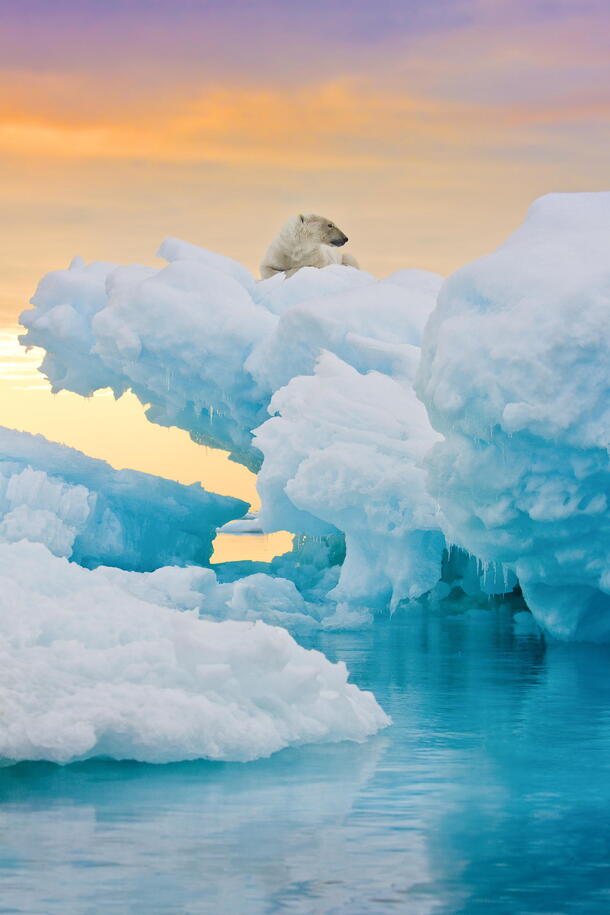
<point>304,241</point>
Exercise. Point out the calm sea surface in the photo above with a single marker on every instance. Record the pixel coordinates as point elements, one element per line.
<point>490,793</point>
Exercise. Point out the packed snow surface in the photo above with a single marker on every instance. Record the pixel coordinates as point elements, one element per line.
<point>83,509</point>
<point>515,373</point>
<point>95,663</point>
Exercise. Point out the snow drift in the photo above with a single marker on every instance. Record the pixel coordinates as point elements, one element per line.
<point>94,663</point>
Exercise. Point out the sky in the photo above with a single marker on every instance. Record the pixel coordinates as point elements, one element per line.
<point>424,129</point>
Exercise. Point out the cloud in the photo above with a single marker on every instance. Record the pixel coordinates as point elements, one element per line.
<point>341,124</point>
<point>265,83</point>
<point>75,57</point>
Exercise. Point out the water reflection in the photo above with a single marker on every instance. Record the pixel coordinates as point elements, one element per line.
<point>490,793</point>
<point>186,837</point>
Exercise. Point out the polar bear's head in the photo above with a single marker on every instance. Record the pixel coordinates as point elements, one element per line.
<point>321,229</point>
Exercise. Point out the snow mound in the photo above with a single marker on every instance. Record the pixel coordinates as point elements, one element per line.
<point>371,325</point>
<point>515,375</point>
<point>83,509</point>
<point>92,663</point>
<point>344,452</point>
<point>178,337</point>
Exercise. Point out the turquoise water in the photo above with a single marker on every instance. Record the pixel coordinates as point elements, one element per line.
<point>490,793</point>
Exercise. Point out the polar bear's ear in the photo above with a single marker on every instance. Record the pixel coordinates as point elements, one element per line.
<point>301,217</point>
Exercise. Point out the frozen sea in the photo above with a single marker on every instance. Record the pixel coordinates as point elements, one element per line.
<point>490,793</point>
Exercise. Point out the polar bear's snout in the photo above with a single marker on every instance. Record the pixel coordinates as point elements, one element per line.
<point>338,242</point>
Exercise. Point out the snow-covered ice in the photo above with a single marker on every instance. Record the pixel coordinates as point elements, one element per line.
<point>311,380</point>
<point>94,663</point>
<point>82,508</point>
<point>211,350</point>
<point>249,524</point>
<point>515,373</point>
<point>344,452</point>
<point>178,337</point>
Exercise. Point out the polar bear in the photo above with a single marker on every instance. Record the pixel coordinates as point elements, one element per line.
<point>305,241</point>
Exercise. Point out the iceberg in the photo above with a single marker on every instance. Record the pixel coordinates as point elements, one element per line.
<point>82,508</point>
<point>425,434</point>
<point>178,337</point>
<point>210,350</point>
<point>515,375</point>
<point>95,663</point>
